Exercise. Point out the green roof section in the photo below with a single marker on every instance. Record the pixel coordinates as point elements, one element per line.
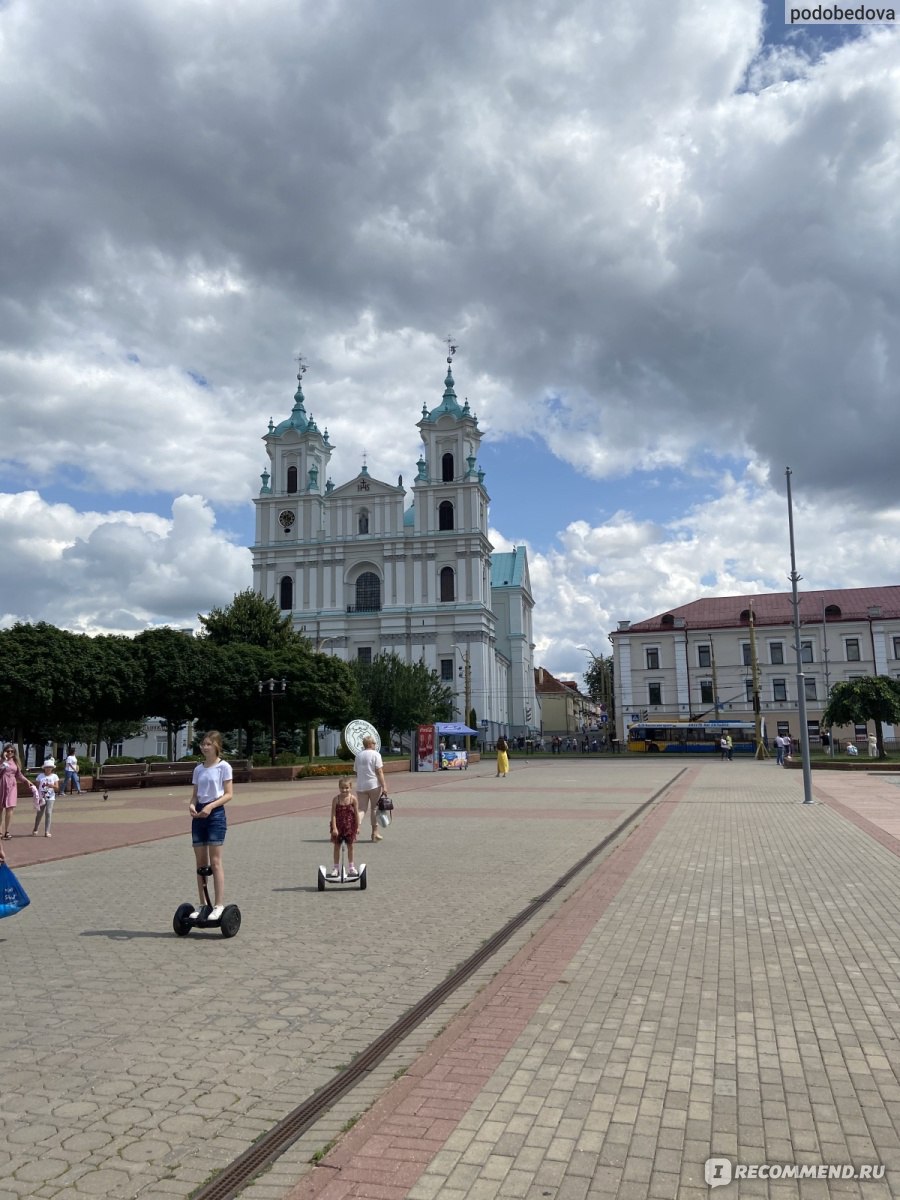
<point>508,569</point>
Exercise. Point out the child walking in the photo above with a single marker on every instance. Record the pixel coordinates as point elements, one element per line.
<point>345,822</point>
<point>48,789</point>
<point>213,788</point>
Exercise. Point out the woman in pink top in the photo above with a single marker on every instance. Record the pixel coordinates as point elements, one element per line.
<point>10,778</point>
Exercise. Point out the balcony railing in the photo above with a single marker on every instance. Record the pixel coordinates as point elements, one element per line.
<point>363,608</point>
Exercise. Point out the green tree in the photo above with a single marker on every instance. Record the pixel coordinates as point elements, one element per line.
<point>399,695</point>
<point>232,698</point>
<point>249,620</point>
<point>858,701</point>
<point>30,688</point>
<point>113,706</point>
<point>177,675</point>
<point>321,690</point>
<point>598,680</point>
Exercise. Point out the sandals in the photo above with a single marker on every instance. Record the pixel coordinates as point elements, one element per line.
<point>7,837</point>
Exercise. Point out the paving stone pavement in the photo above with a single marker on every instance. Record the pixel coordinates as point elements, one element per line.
<point>726,983</point>
<point>137,1064</point>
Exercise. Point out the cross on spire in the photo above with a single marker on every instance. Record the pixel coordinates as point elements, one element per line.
<point>301,368</point>
<point>451,346</point>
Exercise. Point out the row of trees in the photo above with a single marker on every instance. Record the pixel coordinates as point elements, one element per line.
<point>62,687</point>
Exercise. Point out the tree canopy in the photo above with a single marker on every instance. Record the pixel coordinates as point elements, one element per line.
<point>250,620</point>
<point>399,695</point>
<point>858,701</point>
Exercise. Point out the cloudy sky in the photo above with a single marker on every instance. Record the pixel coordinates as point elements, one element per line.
<point>664,233</point>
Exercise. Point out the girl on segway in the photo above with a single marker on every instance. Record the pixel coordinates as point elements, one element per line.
<point>345,822</point>
<point>213,789</point>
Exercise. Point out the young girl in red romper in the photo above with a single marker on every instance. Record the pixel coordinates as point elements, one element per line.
<point>345,819</point>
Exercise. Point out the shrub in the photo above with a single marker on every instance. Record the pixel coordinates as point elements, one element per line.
<point>344,754</point>
<point>151,758</point>
<point>321,770</point>
<point>121,760</point>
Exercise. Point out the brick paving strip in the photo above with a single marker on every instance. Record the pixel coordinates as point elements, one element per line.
<point>390,1148</point>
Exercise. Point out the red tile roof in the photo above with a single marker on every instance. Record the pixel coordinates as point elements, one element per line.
<point>774,608</point>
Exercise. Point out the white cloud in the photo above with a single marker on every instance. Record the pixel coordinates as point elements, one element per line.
<point>116,571</point>
<point>657,241</point>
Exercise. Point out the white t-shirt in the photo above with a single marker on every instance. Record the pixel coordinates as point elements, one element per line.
<point>367,763</point>
<point>210,781</point>
<point>72,763</point>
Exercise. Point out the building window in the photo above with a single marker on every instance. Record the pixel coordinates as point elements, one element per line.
<point>806,652</point>
<point>368,592</point>
<point>162,747</point>
<point>448,584</point>
<point>897,647</point>
<point>362,524</point>
<point>704,656</point>
<point>748,690</point>
<point>446,670</point>
<point>652,653</point>
<point>654,693</point>
<point>813,731</point>
<point>851,646</point>
<point>776,653</point>
<point>809,686</point>
<point>445,515</point>
<point>446,468</point>
<point>292,479</point>
<point>286,594</point>
<point>746,656</point>
<point>364,654</point>
<point>706,692</point>
<point>779,689</point>
<point>117,749</point>
<point>784,728</point>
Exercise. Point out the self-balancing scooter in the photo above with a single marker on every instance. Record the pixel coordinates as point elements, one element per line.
<point>183,921</point>
<point>324,876</point>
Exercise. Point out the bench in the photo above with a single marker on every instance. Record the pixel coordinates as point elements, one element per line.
<point>181,774</point>
<point>120,775</point>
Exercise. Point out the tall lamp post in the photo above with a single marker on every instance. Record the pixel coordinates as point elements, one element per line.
<point>801,678</point>
<point>276,689</point>
<point>466,671</point>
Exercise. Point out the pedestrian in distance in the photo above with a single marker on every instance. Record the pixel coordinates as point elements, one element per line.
<point>345,822</point>
<point>370,785</point>
<point>48,789</point>
<point>723,747</point>
<point>502,757</point>
<point>779,750</point>
<point>213,788</point>
<point>729,747</point>
<point>71,777</point>
<point>10,777</point>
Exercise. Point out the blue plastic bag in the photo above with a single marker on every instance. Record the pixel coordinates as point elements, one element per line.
<point>13,897</point>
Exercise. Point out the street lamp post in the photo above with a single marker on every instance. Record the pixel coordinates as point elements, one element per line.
<point>801,678</point>
<point>276,689</point>
<point>466,670</point>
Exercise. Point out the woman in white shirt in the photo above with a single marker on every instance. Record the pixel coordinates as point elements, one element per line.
<point>370,781</point>
<point>213,788</point>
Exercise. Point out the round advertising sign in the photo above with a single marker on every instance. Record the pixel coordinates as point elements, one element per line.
<point>354,734</point>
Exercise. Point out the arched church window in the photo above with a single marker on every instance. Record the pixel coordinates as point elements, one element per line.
<point>368,592</point>
<point>362,524</point>
<point>292,479</point>
<point>448,584</point>
<point>447,468</point>
<point>445,515</point>
<point>286,594</point>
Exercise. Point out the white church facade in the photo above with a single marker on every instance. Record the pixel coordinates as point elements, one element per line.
<point>365,568</point>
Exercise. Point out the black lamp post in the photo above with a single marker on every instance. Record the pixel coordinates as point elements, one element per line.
<point>276,689</point>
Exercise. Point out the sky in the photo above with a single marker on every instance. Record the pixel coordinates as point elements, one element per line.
<point>664,236</point>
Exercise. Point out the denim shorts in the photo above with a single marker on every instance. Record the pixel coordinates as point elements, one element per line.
<point>209,831</point>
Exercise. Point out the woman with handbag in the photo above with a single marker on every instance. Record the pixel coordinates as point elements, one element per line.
<point>370,783</point>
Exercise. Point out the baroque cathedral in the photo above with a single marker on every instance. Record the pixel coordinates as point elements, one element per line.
<point>366,567</point>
